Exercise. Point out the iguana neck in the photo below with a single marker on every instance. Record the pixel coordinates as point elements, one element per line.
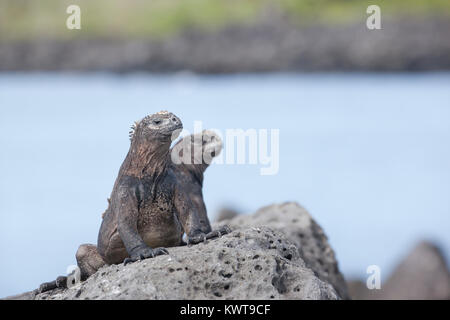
<point>146,159</point>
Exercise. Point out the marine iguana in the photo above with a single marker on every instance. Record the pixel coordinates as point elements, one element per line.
<point>154,201</point>
<point>189,171</point>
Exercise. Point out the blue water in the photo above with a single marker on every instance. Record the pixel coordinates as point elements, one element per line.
<point>367,154</point>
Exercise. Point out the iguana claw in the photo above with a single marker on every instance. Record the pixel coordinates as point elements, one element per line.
<point>202,237</point>
<point>145,253</point>
<point>60,282</point>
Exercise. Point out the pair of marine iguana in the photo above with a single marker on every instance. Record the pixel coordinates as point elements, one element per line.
<point>154,201</point>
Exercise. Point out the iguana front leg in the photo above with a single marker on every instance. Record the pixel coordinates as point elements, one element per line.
<point>196,229</point>
<point>127,205</point>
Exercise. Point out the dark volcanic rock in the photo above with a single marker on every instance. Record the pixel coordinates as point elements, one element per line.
<point>226,214</point>
<point>422,275</point>
<point>278,253</point>
<point>256,263</point>
<point>298,226</point>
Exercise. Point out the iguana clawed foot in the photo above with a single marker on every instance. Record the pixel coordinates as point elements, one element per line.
<point>144,252</point>
<point>202,237</point>
<point>60,282</point>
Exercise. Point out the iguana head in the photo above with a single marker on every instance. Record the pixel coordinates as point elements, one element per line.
<point>163,126</point>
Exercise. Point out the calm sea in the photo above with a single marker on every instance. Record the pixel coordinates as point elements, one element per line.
<point>367,154</point>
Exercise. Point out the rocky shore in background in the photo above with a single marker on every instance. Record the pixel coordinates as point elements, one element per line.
<point>422,275</point>
<point>278,253</point>
<point>266,46</point>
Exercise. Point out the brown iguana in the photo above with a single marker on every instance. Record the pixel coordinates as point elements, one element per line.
<point>154,201</point>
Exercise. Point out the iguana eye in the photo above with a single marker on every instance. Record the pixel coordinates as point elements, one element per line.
<point>156,121</point>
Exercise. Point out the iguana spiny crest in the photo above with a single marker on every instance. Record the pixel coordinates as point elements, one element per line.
<point>153,122</point>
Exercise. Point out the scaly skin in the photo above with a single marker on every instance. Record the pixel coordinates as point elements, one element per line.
<point>154,201</point>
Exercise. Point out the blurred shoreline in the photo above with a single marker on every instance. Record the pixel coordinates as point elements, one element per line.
<point>269,45</point>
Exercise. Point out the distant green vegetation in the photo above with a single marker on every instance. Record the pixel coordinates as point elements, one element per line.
<point>23,19</point>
